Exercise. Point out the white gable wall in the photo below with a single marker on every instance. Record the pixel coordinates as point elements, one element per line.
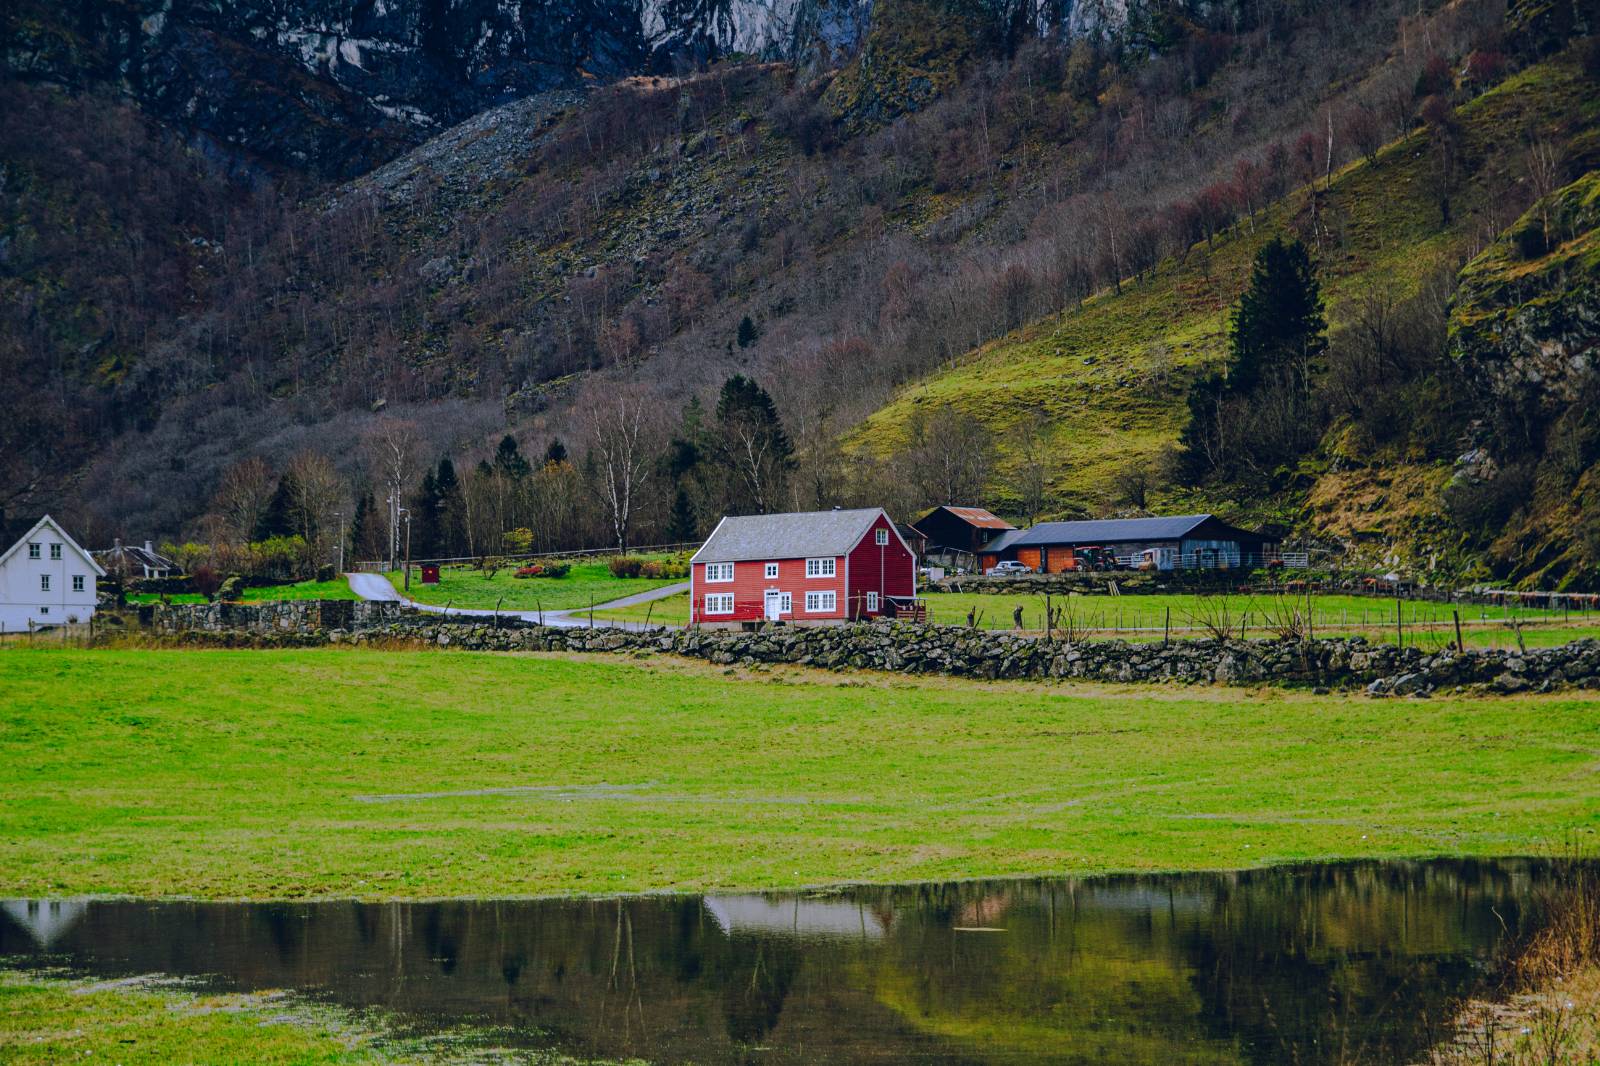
<point>23,597</point>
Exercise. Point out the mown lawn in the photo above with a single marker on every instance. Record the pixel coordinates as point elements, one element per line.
<point>1144,617</point>
<point>589,581</point>
<point>419,774</point>
<point>337,589</point>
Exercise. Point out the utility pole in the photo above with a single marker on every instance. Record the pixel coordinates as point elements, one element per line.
<point>407,516</point>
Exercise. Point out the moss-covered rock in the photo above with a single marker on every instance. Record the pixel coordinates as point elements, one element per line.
<point>915,51</point>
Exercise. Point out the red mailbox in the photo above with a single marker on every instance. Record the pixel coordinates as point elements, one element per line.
<point>430,574</point>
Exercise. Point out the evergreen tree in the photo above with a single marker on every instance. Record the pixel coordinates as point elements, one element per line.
<point>752,444</point>
<point>279,518</point>
<point>1278,323</point>
<point>747,332</point>
<point>452,509</point>
<point>425,519</point>
<point>556,452</point>
<point>682,524</point>
<point>508,459</point>
<point>1256,417</point>
<point>364,526</point>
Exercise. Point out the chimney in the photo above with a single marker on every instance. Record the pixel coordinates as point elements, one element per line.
<point>116,544</point>
<point>150,548</point>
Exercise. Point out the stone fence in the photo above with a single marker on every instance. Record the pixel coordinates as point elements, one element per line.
<point>1343,663</point>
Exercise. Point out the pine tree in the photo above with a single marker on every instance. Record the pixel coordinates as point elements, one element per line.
<point>278,519</point>
<point>1256,415</point>
<point>752,444</point>
<point>452,509</point>
<point>1278,322</point>
<point>363,524</point>
<point>509,461</point>
<point>425,519</point>
<point>681,522</point>
<point>556,452</point>
<point>747,332</point>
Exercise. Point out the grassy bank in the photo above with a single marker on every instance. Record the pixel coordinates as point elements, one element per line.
<point>589,581</point>
<point>45,1021</point>
<point>370,774</point>
<point>337,589</point>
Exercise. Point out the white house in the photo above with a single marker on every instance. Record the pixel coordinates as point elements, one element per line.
<point>46,579</point>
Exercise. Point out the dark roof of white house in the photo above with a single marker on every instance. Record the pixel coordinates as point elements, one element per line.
<point>799,535</point>
<point>1112,531</point>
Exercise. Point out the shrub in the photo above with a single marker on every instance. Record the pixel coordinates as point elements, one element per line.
<point>625,566</point>
<point>544,570</point>
<point>205,580</point>
<point>651,568</point>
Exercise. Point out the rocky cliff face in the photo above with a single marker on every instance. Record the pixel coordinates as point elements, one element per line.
<point>336,86</point>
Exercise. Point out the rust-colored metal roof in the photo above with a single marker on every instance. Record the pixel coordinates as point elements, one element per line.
<point>979,517</point>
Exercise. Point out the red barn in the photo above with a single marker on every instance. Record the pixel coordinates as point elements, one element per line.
<point>815,567</point>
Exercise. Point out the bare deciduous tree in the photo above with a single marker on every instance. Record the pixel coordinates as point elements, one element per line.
<point>621,449</point>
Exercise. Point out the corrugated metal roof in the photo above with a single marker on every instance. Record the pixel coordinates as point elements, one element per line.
<point>800,535</point>
<point>1002,542</point>
<point>1106,531</point>
<point>979,517</point>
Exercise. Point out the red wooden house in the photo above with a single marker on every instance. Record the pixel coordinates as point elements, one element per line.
<point>816,567</point>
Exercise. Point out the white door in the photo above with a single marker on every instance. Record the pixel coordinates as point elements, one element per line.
<point>774,606</point>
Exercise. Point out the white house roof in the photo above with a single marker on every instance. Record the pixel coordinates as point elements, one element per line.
<point>799,535</point>
<point>33,533</point>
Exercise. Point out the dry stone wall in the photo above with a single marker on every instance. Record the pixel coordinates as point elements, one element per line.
<point>1381,670</point>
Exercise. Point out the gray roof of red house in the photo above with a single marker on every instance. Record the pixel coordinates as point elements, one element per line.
<point>800,535</point>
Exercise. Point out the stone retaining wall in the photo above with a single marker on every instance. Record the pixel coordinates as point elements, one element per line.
<point>1379,669</point>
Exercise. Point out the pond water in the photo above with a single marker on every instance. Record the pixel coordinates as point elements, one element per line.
<point>1310,964</point>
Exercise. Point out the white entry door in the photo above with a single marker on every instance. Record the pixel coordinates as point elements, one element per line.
<point>775,605</point>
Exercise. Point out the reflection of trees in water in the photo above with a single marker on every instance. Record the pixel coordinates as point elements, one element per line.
<point>1265,965</point>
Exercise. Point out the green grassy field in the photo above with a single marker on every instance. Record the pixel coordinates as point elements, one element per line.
<point>337,589</point>
<point>370,774</point>
<point>1144,617</point>
<point>590,581</point>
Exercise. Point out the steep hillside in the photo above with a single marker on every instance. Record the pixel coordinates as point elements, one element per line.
<point>560,246</point>
<point>1110,377</point>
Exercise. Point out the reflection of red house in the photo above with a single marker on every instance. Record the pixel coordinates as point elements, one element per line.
<point>816,567</point>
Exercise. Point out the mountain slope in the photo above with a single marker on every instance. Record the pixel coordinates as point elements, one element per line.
<point>1110,377</point>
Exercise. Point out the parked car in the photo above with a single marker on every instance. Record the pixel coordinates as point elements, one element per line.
<point>1008,568</point>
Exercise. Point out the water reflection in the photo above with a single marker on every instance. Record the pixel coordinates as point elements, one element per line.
<point>1309,964</point>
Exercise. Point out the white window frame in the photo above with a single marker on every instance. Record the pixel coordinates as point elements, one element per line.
<point>55,551</point>
<point>826,567</point>
<point>77,582</point>
<point>872,603</point>
<point>719,603</point>
<point>33,549</point>
<point>44,610</point>
<point>825,602</point>
<point>772,571</point>
<point>882,537</point>
<point>44,582</point>
<point>717,573</point>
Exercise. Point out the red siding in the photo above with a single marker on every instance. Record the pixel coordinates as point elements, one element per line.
<point>750,585</point>
<point>889,570</point>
